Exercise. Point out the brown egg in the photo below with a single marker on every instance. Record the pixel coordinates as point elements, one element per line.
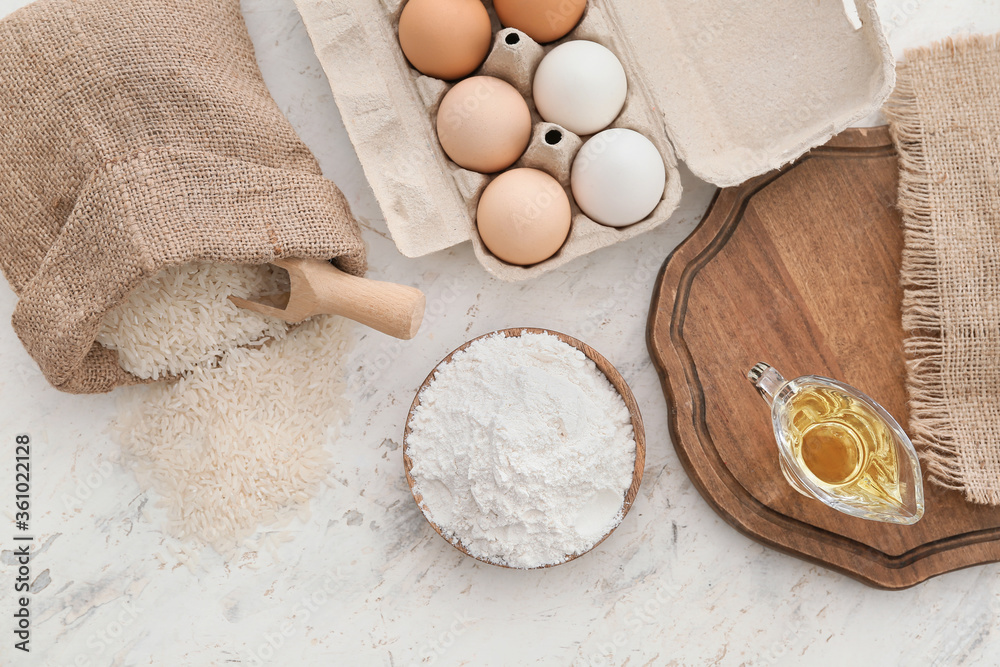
<point>484,124</point>
<point>524,216</point>
<point>542,20</point>
<point>447,39</point>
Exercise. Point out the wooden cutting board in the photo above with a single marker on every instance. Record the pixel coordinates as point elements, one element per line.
<point>799,268</point>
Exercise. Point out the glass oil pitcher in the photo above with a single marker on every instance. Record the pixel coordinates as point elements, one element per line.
<point>842,448</point>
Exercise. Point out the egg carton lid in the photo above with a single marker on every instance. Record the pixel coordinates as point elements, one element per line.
<point>746,87</point>
<point>741,88</point>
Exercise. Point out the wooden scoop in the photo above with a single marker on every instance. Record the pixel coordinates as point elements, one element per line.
<point>320,288</point>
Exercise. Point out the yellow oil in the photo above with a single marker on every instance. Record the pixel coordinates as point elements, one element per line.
<point>846,448</point>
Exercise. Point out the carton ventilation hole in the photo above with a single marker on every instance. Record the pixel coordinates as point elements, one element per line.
<point>553,137</point>
<point>513,38</point>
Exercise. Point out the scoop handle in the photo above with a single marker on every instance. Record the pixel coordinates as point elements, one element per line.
<point>396,310</point>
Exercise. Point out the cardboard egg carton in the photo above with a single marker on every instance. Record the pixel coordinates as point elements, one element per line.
<point>732,89</point>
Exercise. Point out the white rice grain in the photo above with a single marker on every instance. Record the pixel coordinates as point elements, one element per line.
<point>228,455</point>
<point>182,318</point>
<point>238,441</point>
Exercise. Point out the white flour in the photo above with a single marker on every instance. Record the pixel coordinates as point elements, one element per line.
<point>522,450</point>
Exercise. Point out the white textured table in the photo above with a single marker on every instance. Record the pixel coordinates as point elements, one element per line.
<point>366,581</point>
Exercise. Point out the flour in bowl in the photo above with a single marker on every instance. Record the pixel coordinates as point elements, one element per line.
<point>522,450</point>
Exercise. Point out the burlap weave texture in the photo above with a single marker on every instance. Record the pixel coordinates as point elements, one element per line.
<point>945,118</point>
<point>136,135</point>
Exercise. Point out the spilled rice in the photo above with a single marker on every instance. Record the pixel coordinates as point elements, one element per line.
<point>239,445</point>
<point>182,319</point>
<point>237,440</point>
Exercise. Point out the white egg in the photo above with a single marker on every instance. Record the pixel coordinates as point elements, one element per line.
<point>618,177</point>
<point>580,85</point>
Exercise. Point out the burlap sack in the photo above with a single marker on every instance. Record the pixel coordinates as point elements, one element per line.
<point>945,117</point>
<point>137,134</point>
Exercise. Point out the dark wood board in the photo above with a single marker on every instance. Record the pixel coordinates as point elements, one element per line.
<point>800,268</point>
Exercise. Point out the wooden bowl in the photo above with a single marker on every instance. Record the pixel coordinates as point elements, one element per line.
<point>617,381</point>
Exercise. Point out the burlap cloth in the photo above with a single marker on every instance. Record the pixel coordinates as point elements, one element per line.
<point>137,134</point>
<point>945,117</point>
